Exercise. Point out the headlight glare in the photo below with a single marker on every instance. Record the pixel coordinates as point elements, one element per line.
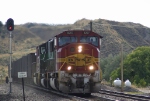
<point>79,49</point>
<point>91,67</point>
<point>69,68</point>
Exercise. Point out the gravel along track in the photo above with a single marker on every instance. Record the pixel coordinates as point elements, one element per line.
<point>30,94</point>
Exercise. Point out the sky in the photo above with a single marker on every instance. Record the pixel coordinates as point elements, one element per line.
<point>69,11</point>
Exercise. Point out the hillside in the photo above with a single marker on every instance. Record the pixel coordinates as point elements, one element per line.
<point>27,36</point>
<point>131,35</point>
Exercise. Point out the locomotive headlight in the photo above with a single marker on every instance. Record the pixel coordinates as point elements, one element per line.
<point>79,49</point>
<point>69,68</point>
<point>91,67</point>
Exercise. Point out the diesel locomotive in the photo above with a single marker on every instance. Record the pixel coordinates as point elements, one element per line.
<point>69,62</point>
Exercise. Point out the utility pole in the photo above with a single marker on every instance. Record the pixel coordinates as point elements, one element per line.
<point>10,28</point>
<point>121,67</point>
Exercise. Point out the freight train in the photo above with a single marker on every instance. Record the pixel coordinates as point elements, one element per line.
<point>69,62</point>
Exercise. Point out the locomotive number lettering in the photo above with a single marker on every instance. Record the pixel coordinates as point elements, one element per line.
<point>88,59</point>
<point>71,60</point>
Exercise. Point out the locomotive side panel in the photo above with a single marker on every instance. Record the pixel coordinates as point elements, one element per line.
<point>51,67</point>
<point>43,55</point>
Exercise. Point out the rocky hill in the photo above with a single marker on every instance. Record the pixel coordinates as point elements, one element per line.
<point>131,35</point>
<point>29,35</point>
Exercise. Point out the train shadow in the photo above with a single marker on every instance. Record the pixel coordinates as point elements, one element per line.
<point>81,94</point>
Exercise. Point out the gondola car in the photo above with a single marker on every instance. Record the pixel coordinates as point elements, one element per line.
<point>24,64</point>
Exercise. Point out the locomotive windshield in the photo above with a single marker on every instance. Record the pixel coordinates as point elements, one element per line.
<point>64,40</point>
<point>89,39</point>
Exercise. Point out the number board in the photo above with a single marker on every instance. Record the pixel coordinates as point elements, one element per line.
<point>22,74</point>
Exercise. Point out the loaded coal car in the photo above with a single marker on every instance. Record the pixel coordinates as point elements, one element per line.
<point>70,62</point>
<point>24,64</point>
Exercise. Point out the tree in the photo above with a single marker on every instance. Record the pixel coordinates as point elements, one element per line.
<point>109,64</point>
<point>136,66</point>
<point>1,24</point>
<point>2,30</point>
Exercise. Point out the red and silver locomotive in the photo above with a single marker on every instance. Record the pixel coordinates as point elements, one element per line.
<point>70,62</point>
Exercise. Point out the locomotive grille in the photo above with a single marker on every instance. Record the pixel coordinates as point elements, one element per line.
<point>79,82</point>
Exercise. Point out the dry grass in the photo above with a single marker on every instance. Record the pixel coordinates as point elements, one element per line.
<point>134,93</point>
<point>5,68</point>
<point>18,53</point>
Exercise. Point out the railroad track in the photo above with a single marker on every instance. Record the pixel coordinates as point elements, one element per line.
<point>120,95</point>
<point>71,97</point>
<point>103,95</point>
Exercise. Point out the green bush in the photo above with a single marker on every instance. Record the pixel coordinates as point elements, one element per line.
<point>136,67</point>
<point>142,83</point>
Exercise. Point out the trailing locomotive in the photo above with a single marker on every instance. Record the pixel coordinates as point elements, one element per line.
<point>69,62</point>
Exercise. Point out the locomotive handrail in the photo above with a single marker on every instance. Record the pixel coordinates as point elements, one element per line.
<point>60,69</point>
<point>61,66</point>
<point>99,69</point>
